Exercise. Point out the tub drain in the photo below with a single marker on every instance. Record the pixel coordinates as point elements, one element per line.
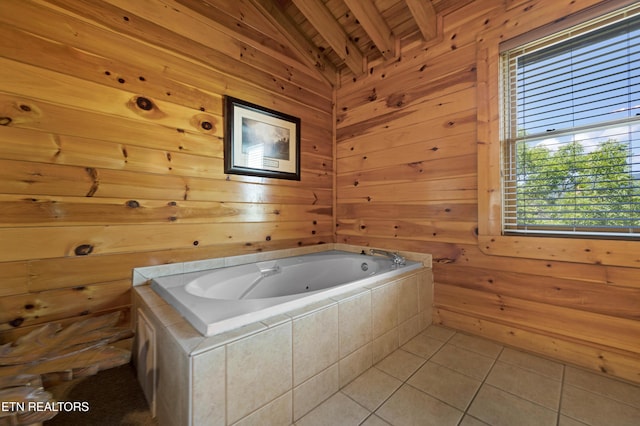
<point>364,266</point>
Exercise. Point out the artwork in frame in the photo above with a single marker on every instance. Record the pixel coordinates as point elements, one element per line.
<point>260,142</point>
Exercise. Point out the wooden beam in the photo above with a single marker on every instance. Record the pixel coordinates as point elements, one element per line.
<point>425,15</point>
<point>375,26</point>
<point>325,23</point>
<point>308,52</point>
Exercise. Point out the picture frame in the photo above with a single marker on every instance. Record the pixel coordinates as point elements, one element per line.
<point>259,141</point>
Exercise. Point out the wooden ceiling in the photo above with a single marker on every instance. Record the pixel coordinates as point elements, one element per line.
<point>335,37</point>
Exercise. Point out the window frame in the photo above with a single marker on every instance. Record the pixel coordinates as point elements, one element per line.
<point>491,239</point>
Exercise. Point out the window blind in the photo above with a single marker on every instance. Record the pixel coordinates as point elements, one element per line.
<point>571,131</point>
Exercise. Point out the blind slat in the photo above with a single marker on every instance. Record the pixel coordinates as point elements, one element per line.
<point>571,116</point>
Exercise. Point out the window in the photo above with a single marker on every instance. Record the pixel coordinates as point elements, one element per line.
<point>570,126</point>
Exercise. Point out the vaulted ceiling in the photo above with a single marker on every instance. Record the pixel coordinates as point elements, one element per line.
<point>335,37</point>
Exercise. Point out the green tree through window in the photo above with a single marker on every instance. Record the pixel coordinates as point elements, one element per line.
<point>571,188</point>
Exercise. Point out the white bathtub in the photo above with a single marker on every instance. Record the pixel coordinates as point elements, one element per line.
<point>219,300</point>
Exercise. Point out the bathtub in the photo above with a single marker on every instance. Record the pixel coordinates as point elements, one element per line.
<point>219,300</point>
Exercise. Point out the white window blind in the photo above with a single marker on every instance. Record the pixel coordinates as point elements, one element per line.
<point>571,131</point>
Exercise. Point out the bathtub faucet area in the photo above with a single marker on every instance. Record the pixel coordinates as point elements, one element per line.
<point>265,272</point>
<point>395,257</point>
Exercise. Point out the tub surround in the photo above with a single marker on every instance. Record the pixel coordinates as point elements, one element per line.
<point>299,358</point>
<point>222,299</point>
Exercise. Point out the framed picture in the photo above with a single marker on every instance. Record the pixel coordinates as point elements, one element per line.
<point>260,142</point>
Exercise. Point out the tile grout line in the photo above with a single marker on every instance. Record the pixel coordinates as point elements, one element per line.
<point>483,382</point>
<point>561,393</point>
<point>466,410</point>
<point>404,382</point>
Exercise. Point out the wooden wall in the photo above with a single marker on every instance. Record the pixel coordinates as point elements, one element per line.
<point>91,185</point>
<point>407,178</point>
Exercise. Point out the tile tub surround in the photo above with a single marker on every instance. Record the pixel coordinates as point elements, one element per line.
<point>277,370</point>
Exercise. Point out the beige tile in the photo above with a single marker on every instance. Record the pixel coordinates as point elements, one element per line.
<point>423,345</point>
<point>167,315</point>
<point>185,335</point>
<point>526,384</point>
<point>354,316</point>
<point>568,421</point>
<point>499,408</point>
<point>447,385</point>
<point>309,309</point>
<point>201,265</point>
<point>372,388</point>
<point>602,385</point>
<point>315,343</point>
<point>263,358</point>
<point>172,380</point>
<point>407,298</point>
<point>385,345</point>
<point>463,361</point>
<point>277,412</point>
<point>425,291</point>
<point>476,344</point>
<point>355,364</point>
<point>400,364</point>
<point>384,305</point>
<point>208,387</point>
<point>467,420</point>
<point>148,297</point>
<point>426,318</point>
<point>409,406</point>
<point>439,333</point>
<point>409,329</point>
<point>594,409</point>
<point>337,410</point>
<point>532,363</point>
<point>374,420</point>
<point>155,271</point>
<point>275,320</point>
<point>311,393</point>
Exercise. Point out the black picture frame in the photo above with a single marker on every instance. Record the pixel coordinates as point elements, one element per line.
<point>259,141</point>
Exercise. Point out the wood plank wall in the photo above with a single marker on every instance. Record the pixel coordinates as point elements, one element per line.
<point>407,178</point>
<point>91,185</point>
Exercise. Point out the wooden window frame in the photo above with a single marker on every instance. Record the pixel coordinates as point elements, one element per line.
<point>491,241</point>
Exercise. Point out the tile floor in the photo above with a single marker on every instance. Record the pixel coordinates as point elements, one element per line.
<point>443,377</point>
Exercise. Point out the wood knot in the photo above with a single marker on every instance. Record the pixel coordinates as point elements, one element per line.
<point>205,122</point>
<point>144,104</point>
<point>133,204</point>
<point>396,100</point>
<point>206,125</point>
<point>83,250</point>
<point>16,322</point>
<point>5,121</point>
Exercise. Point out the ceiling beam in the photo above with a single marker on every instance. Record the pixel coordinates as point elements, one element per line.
<point>375,26</point>
<point>325,23</point>
<point>309,53</point>
<point>425,16</point>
